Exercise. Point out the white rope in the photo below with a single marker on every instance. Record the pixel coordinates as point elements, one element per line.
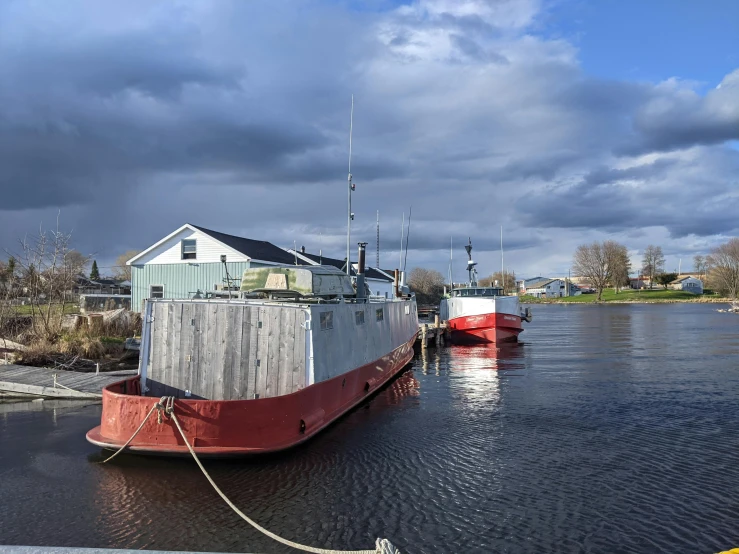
<point>156,406</point>
<point>382,546</point>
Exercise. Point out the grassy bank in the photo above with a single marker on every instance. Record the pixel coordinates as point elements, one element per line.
<point>630,296</point>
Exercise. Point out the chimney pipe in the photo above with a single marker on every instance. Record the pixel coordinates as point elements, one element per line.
<point>396,283</point>
<point>360,270</point>
<point>302,249</point>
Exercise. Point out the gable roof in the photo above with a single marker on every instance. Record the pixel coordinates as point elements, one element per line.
<point>369,272</point>
<point>538,284</point>
<point>255,249</point>
<point>259,250</point>
<point>683,278</point>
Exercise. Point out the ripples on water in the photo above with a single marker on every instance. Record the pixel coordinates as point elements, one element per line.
<point>611,429</point>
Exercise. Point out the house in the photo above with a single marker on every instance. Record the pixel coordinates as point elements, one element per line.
<point>380,282</point>
<point>687,284</point>
<point>195,261</point>
<point>544,287</point>
<point>83,285</point>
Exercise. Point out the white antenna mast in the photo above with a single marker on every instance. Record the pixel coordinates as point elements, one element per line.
<point>502,266</point>
<point>402,233</point>
<point>451,258</point>
<point>377,260</point>
<point>350,215</point>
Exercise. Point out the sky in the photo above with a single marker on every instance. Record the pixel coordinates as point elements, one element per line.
<point>561,121</point>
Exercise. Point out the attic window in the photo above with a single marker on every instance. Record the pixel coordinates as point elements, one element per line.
<point>189,249</point>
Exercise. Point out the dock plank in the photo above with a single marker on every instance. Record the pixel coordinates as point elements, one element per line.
<point>24,381</point>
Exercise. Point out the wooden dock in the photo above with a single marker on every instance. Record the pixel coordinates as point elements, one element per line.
<point>434,333</point>
<point>24,382</point>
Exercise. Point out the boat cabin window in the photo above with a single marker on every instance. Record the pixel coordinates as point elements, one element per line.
<point>478,291</point>
<point>327,320</point>
<point>380,314</point>
<point>359,317</point>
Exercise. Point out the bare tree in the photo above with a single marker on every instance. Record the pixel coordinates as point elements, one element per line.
<point>618,257</point>
<point>48,274</point>
<point>723,268</point>
<point>75,259</point>
<point>653,262</point>
<point>699,265</point>
<point>506,280</point>
<point>601,264</point>
<point>428,284</point>
<point>122,272</point>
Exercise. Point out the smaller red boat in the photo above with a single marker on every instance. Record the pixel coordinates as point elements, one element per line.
<point>482,314</point>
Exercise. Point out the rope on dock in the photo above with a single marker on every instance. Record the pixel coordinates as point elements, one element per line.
<point>166,406</point>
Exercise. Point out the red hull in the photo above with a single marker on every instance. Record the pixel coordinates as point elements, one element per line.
<point>240,427</point>
<point>495,327</point>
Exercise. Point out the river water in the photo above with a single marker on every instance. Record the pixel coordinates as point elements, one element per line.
<point>608,429</point>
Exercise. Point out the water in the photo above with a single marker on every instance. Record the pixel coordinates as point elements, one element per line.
<point>611,429</point>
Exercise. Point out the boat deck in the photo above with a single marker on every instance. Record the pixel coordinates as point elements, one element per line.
<point>17,381</point>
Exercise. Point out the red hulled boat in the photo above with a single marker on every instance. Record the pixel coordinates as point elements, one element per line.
<point>481,314</point>
<point>262,373</point>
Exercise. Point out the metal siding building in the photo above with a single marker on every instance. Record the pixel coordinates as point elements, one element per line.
<point>188,262</point>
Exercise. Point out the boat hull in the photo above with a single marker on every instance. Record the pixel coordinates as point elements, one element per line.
<point>240,427</point>
<point>485,328</point>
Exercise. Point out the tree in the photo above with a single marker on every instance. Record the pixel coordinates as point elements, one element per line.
<point>653,262</point>
<point>428,284</point>
<point>122,272</point>
<point>665,279</point>
<point>723,268</point>
<point>506,280</point>
<point>699,264</point>
<point>76,262</point>
<point>94,273</point>
<point>621,264</point>
<point>601,264</point>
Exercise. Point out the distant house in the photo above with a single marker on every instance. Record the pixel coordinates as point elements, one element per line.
<point>84,285</point>
<point>189,262</point>
<point>547,287</point>
<point>550,288</point>
<point>639,283</point>
<point>687,284</point>
<point>380,282</point>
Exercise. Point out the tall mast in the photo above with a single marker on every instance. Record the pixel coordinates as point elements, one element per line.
<point>349,215</point>
<point>502,266</point>
<point>402,233</point>
<point>377,257</point>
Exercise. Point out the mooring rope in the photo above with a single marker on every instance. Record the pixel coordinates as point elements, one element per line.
<point>158,406</point>
<point>166,406</point>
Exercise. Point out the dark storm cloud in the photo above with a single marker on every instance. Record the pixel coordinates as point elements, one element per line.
<point>137,117</point>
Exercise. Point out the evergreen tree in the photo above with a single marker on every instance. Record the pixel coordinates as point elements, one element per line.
<point>94,274</point>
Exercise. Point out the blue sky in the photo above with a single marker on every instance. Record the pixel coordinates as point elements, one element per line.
<point>564,121</point>
<point>652,40</point>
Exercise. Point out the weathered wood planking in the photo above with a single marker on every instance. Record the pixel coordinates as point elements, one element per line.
<point>38,382</point>
<point>226,351</point>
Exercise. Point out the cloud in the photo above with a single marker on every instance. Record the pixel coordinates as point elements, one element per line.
<point>136,117</point>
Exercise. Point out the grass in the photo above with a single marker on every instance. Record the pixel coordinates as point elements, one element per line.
<point>26,310</point>
<point>654,295</point>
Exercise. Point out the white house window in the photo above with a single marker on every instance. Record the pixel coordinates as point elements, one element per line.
<point>189,249</point>
<point>156,291</point>
<point>327,320</point>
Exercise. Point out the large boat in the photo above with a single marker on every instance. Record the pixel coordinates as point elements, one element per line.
<point>481,314</point>
<point>261,373</point>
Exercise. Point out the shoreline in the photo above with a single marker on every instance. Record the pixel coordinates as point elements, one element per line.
<point>653,301</point>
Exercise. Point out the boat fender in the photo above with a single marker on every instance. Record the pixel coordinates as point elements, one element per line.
<point>312,420</point>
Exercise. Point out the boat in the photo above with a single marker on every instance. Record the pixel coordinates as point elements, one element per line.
<point>262,373</point>
<point>476,314</point>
